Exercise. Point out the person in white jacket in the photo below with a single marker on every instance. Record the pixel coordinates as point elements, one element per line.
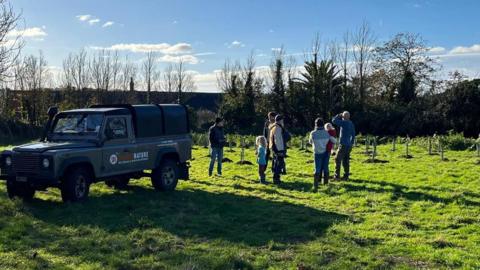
<point>319,139</point>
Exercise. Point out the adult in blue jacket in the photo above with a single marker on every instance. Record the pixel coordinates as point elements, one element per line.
<point>347,138</point>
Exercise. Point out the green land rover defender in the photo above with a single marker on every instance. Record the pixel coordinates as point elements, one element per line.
<point>110,143</point>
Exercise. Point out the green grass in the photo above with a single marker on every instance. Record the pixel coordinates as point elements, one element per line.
<point>406,214</point>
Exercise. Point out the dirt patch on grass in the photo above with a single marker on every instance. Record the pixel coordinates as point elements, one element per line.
<point>441,243</point>
<point>410,225</point>
<point>245,162</point>
<point>226,160</point>
<point>375,161</point>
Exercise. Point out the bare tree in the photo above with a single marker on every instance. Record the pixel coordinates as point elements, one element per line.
<point>34,69</point>
<point>100,70</point>
<point>363,43</point>
<point>406,52</point>
<point>227,78</point>
<point>149,68</point>
<point>10,46</point>
<point>344,65</point>
<point>116,67</point>
<point>68,73</point>
<point>168,79</point>
<point>128,73</point>
<point>33,76</point>
<point>183,80</point>
<point>75,70</point>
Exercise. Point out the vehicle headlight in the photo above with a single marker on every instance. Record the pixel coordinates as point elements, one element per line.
<point>8,161</point>
<point>46,163</point>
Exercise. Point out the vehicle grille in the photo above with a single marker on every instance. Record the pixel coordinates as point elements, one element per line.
<point>26,163</point>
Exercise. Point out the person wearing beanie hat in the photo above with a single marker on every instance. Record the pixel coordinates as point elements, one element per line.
<point>217,142</point>
<point>276,143</point>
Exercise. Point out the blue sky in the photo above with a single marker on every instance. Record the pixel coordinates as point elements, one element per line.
<point>208,32</point>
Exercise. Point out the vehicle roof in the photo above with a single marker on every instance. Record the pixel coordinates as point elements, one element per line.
<point>107,111</point>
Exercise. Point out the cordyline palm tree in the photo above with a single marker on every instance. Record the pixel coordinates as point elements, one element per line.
<point>322,82</point>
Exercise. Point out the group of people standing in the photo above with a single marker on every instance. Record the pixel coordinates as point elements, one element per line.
<point>273,146</point>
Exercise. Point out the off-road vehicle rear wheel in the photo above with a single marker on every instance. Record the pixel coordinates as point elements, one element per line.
<point>21,190</point>
<point>165,177</point>
<point>76,185</point>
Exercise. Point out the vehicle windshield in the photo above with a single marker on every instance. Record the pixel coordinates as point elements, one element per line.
<point>78,124</point>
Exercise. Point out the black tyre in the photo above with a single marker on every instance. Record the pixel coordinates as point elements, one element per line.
<point>165,177</point>
<point>76,185</point>
<point>20,190</point>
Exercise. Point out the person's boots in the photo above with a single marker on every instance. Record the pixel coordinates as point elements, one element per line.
<point>316,180</point>
<point>325,179</point>
<point>276,179</point>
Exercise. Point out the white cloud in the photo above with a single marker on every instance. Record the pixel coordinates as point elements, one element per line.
<point>175,22</point>
<point>205,53</point>
<point>437,49</point>
<point>108,24</point>
<point>236,44</point>
<point>93,21</point>
<point>83,18</point>
<point>188,58</point>
<point>206,82</point>
<point>33,32</point>
<point>464,50</point>
<point>165,48</point>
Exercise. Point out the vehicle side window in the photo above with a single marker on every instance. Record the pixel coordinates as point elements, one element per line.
<point>116,128</point>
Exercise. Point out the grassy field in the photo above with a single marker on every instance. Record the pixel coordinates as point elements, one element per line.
<point>406,214</point>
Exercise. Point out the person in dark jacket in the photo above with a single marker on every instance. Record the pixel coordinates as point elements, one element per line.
<point>347,138</point>
<point>217,142</point>
<point>266,132</point>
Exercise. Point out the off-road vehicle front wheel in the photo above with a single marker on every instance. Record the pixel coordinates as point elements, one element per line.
<point>76,185</point>
<point>165,177</point>
<point>20,190</point>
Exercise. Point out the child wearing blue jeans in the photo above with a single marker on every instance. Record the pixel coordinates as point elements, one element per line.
<point>261,151</point>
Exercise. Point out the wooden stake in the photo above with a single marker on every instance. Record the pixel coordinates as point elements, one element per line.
<point>393,143</point>
<point>242,154</point>
<point>367,144</point>
<point>406,147</point>
<point>429,145</point>
<point>441,152</point>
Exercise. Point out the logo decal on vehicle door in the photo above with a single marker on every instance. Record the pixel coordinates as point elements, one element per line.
<point>113,159</point>
<point>126,158</point>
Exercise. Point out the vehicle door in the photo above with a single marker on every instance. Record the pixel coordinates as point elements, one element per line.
<point>119,147</point>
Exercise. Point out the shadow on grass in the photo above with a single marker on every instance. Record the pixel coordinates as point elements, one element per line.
<point>400,191</point>
<point>193,214</point>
